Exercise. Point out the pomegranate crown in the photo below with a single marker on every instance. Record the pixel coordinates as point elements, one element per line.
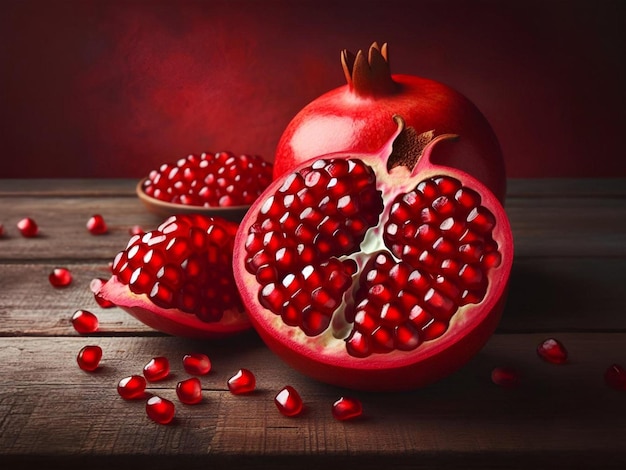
<point>369,76</point>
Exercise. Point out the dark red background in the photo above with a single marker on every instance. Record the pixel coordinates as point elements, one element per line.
<point>113,88</point>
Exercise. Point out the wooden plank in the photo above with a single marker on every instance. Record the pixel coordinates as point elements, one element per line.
<point>557,411</point>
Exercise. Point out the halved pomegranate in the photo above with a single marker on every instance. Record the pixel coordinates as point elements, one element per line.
<point>178,278</point>
<point>375,271</point>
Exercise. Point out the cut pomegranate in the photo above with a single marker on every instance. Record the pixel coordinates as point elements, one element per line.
<point>615,377</point>
<point>96,225</point>
<point>189,391</point>
<point>242,382</point>
<point>89,357</point>
<point>178,278</point>
<point>347,408</point>
<point>197,363</point>
<point>552,350</point>
<point>132,388</point>
<point>60,277</point>
<point>375,271</point>
<point>28,227</point>
<point>160,410</point>
<point>505,377</point>
<point>156,369</point>
<point>85,322</point>
<point>289,402</point>
<point>95,285</point>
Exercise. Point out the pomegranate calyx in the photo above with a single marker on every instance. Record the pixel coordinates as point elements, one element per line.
<point>369,77</point>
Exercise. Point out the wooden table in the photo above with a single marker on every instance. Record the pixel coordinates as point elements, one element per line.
<point>568,283</point>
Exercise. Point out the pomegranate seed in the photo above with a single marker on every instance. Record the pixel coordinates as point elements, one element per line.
<point>288,401</point>
<point>197,363</point>
<point>552,350</point>
<point>60,277</point>
<point>132,388</point>
<point>136,230</point>
<point>156,369</point>
<point>347,408</point>
<point>28,227</point>
<point>95,286</point>
<point>89,358</point>
<point>96,225</point>
<point>242,382</point>
<point>160,410</point>
<point>84,322</point>
<point>189,391</point>
<point>505,377</point>
<point>615,377</point>
<point>1,230</point>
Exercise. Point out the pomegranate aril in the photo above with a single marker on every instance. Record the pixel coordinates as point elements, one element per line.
<point>1,230</point>
<point>132,387</point>
<point>505,377</point>
<point>197,363</point>
<point>289,402</point>
<point>156,369</point>
<point>60,277</point>
<point>160,410</point>
<point>28,227</point>
<point>347,408</point>
<point>89,357</point>
<point>552,350</point>
<point>189,391</point>
<point>96,225</point>
<point>242,382</point>
<point>85,322</point>
<point>615,377</point>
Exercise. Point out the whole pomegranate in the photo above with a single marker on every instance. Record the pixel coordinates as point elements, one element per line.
<point>178,278</point>
<point>358,117</point>
<point>375,271</point>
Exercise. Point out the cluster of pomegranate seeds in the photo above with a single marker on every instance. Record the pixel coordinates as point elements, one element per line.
<point>615,377</point>
<point>96,225</point>
<point>85,322</point>
<point>289,402</point>
<point>220,179</point>
<point>60,277</point>
<point>186,263</point>
<point>242,382</point>
<point>197,363</point>
<point>89,357</point>
<point>160,410</point>
<point>189,391</point>
<point>28,227</point>
<point>552,350</point>
<point>505,377</point>
<point>132,387</point>
<point>347,408</point>
<point>156,369</point>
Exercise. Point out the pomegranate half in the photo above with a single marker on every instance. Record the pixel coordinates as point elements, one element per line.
<point>375,271</point>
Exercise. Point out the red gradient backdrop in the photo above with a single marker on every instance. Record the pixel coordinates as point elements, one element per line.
<point>95,88</point>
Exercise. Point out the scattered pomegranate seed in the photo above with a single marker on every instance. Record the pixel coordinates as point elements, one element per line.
<point>189,391</point>
<point>84,322</point>
<point>89,358</point>
<point>242,382</point>
<point>60,277</point>
<point>347,408</point>
<point>1,230</point>
<point>197,363</point>
<point>615,377</point>
<point>160,410</point>
<point>288,401</point>
<point>505,377</point>
<point>136,230</point>
<point>552,350</point>
<point>157,369</point>
<point>96,225</point>
<point>28,227</point>
<point>132,388</point>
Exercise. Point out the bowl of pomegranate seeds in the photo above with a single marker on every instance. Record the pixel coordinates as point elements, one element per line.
<point>217,184</point>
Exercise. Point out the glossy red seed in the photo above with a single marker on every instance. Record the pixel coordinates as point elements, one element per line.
<point>60,277</point>
<point>505,377</point>
<point>1,230</point>
<point>85,322</point>
<point>95,286</point>
<point>156,369</point>
<point>89,357</point>
<point>197,363</point>
<point>132,388</point>
<point>552,350</point>
<point>289,402</point>
<point>615,377</point>
<point>136,230</point>
<point>96,225</point>
<point>160,410</point>
<point>189,391</point>
<point>347,408</point>
<point>28,227</point>
<point>242,382</point>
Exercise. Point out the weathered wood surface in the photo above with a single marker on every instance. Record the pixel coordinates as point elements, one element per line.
<point>567,282</point>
